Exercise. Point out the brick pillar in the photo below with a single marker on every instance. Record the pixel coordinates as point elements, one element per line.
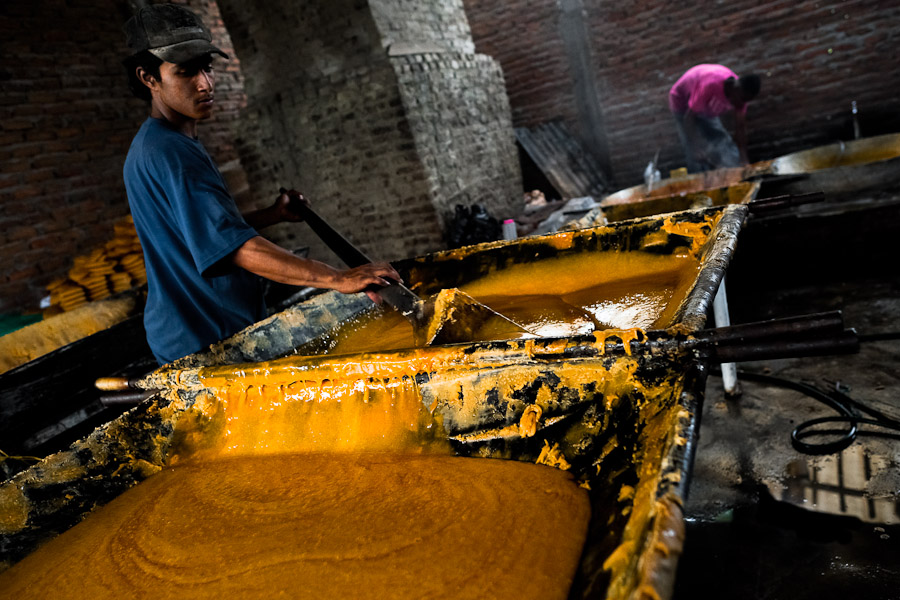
<point>380,111</point>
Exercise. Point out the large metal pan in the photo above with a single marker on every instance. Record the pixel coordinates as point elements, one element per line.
<point>839,168</point>
<point>623,414</point>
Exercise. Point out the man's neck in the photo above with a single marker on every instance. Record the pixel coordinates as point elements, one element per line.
<point>185,125</point>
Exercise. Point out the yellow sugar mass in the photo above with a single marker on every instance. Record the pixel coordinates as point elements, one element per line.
<point>322,526</point>
<point>282,413</point>
<point>566,296</point>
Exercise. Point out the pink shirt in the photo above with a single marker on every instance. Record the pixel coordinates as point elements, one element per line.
<point>702,90</point>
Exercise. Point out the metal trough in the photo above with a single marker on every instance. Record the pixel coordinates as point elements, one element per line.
<point>840,168</point>
<point>709,188</point>
<point>687,184</point>
<point>620,411</point>
<point>664,200</point>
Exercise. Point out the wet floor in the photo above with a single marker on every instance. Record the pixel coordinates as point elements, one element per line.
<point>764,520</point>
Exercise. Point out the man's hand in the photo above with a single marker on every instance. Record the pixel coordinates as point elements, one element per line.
<point>359,278</point>
<point>287,205</point>
<point>284,209</point>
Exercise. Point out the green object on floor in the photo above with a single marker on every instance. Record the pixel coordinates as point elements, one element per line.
<point>12,321</point>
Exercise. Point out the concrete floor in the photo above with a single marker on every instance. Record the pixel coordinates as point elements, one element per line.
<point>764,520</point>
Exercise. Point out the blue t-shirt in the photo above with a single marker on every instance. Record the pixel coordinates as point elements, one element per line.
<point>187,223</point>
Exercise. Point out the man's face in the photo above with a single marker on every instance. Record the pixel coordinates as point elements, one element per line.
<point>187,88</point>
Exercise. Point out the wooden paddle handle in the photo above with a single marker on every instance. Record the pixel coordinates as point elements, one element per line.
<point>346,251</point>
<point>115,384</point>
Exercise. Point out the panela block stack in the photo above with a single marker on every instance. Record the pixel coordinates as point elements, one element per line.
<point>116,267</point>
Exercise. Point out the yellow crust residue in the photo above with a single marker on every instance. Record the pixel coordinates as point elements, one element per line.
<point>38,339</point>
<point>553,457</point>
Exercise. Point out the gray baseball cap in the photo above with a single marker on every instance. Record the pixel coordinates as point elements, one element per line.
<point>170,32</point>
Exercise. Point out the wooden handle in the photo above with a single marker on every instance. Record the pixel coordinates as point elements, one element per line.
<point>345,250</point>
<point>114,384</point>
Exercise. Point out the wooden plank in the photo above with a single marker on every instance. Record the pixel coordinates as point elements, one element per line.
<point>563,161</point>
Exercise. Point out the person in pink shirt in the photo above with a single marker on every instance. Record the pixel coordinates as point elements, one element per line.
<point>698,100</point>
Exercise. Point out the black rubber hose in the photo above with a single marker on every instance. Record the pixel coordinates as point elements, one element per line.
<point>848,411</point>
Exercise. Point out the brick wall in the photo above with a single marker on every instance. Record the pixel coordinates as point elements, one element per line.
<point>523,36</point>
<point>459,115</point>
<point>435,25</point>
<point>814,58</point>
<point>327,114</point>
<point>66,116</point>
<point>324,115</point>
<point>344,141</point>
<point>66,121</point>
<point>456,106</point>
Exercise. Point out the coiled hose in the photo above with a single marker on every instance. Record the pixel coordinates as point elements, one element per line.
<point>849,411</point>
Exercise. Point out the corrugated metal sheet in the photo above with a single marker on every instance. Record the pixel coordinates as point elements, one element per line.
<point>572,170</point>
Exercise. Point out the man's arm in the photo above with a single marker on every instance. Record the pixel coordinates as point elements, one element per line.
<point>740,134</point>
<point>266,259</point>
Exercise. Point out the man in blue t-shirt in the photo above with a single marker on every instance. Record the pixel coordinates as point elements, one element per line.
<point>202,256</point>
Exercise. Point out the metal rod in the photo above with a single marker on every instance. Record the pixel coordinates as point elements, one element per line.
<point>843,343</point>
<point>345,250</point>
<point>126,398</point>
<point>816,323</point>
<point>723,319</point>
<point>786,201</point>
<point>806,335</point>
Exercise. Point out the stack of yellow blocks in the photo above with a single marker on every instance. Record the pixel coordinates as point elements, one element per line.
<point>91,271</point>
<point>66,294</point>
<point>134,266</point>
<point>116,267</point>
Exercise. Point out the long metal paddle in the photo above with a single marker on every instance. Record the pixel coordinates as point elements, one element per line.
<point>452,317</point>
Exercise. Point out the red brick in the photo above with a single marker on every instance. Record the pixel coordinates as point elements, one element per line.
<point>22,274</point>
<point>16,124</point>
<point>11,137</point>
<point>21,233</point>
<point>36,176</point>
<point>48,240</point>
<point>68,132</point>
<point>40,135</point>
<point>16,165</point>
<point>25,191</point>
<point>8,180</point>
